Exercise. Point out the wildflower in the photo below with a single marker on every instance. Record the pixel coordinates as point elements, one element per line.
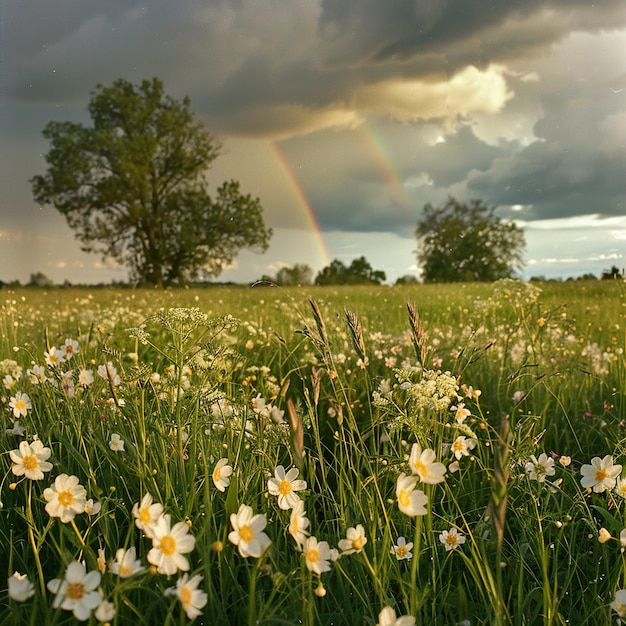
<point>565,460</point>
<point>619,603</point>
<point>126,563</point>
<point>424,465</point>
<point>105,612</point>
<point>20,403</point>
<point>538,468</point>
<point>30,460</point>
<point>221,474</point>
<point>622,538</point>
<point>116,443</point>
<point>354,541</point>
<point>600,475</point>
<point>109,372</point>
<point>77,591</point>
<point>284,486</point>
<point>247,532</point>
<point>101,560</point>
<point>461,412</point>
<point>410,501</point>
<point>17,430</point>
<point>92,508</point>
<point>604,535</point>
<point>461,446</point>
<point>620,488</point>
<point>191,598</point>
<point>146,514</point>
<point>320,590</point>
<point>85,378</point>
<point>169,543</point>
<point>317,556</point>
<point>451,539</point>
<point>37,375</point>
<point>20,588</point>
<point>298,523</point>
<point>402,549</point>
<point>387,617</point>
<point>54,357</point>
<point>66,498</point>
<point>9,382</point>
<point>69,349</point>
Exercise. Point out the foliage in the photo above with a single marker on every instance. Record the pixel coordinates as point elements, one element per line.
<point>359,272</point>
<point>467,242</point>
<point>132,187</point>
<point>299,274</point>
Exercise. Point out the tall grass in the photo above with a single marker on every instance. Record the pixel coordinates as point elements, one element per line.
<point>341,384</point>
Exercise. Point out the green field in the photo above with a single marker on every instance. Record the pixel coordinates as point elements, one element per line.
<point>513,393</point>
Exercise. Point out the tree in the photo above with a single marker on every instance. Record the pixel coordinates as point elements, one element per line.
<point>133,187</point>
<point>467,242</point>
<point>360,272</point>
<point>299,274</point>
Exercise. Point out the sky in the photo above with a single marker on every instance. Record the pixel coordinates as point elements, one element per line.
<point>345,117</point>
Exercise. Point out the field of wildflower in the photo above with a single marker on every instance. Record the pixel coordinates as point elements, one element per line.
<point>387,455</point>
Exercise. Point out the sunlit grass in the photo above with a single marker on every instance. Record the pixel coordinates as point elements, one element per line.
<point>339,383</point>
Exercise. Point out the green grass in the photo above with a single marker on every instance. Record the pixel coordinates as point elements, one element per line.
<point>350,370</point>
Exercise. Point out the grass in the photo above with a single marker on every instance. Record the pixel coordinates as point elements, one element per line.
<point>340,383</point>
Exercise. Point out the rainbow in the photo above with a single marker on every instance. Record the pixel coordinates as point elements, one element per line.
<point>302,201</point>
<point>384,165</point>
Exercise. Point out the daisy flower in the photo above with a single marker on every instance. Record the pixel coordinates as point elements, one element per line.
<point>221,474</point>
<point>247,533</point>
<point>601,474</point>
<point>116,443</point>
<point>20,588</point>
<point>298,523</point>
<point>354,541</point>
<point>317,555</point>
<point>30,460</point>
<point>69,349</point>
<point>105,612</point>
<point>422,463</point>
<point>410,501</point>
<point>146,514</point>
<point>77,591</point>
<point>284,485</point>
<point>451,539</point>
<point>387,617</point>
<point>169,543</point>
<point>126,563</point>
<point>191,598</point>
<point>619,603</point>
<point>66,498</point>
<point>538,468</point>
<point>54,357</point>
<point>402,550</point>
<point>462,446</point>
<point>21,404</point>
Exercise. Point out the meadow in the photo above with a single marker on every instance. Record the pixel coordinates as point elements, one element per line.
<point>429,454</point>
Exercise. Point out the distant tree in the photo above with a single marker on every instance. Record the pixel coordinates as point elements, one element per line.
<point>407,279</point>
<point>133,187</point>
<point>611,274</point>
<point>359,272</point>
<point>39,279</point>
<point>587,276</point>
<point>299,274</point>
<point>467,242</point>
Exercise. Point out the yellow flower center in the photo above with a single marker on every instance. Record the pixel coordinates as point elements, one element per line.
<point>144,515</point>
<point>217,474</point>
<point>451,539</point>
<point>20,405</point>
<point>401,551</point>
<point>66,498</point>
<point>284,487</point>
<point>420,468</point>
<point>185,595</point>
<point>246,533</point>
<point>457,446</point>
<point>601,475</point>
<point>30,462</point>
<point>404,498</point>
<point>125,570</point>
<point>168,545</point>
<point>312,555</point>
<point>358,543</point>
<point>75,591</point>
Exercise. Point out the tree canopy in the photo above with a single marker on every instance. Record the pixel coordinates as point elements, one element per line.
<point>467,242</point>
<point>359,272</point>
<point>133,187</point>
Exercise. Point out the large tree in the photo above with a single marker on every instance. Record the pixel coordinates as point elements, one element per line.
<point>467,242</point>
<point>132,185</point>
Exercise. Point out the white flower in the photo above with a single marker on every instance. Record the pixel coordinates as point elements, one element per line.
<point>126,563</point>
<point>619,603</point>
<point>169,544</point>
<point>451,539</point>
<point>317,555</point>
<point>247,532</point>
<point>387,617</point>
<point>601,474</point>
<point>538,468</point>
<point>20,588</point>
<point>21,404</point>
<point>69,349</point>
<point>424,465</point>
<point>462,446</point>
<point>92,508</point>
<point>146,514</point>
<point>402,550</point>
<point>410,501</point>
<point>116,443</point>
<point>109,372</point>
<point>221,474</point>
<point>30,460</point>
<point>298,523</point>
<point>191,598</point>
<point>284,486</point>
<point>66,498</point>
<point>17,430</point>
<point>77,591</point>
<point>354,541</point>
<point>105,612</point>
